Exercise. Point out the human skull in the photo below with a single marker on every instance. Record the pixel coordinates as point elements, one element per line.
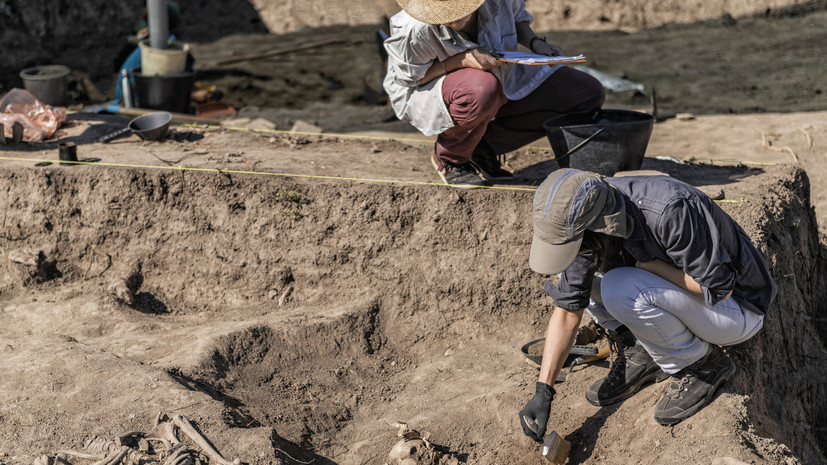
<point>409,452</point>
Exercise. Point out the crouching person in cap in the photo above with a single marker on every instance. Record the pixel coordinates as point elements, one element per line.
<point>444,80</point>
<point>679,279</point>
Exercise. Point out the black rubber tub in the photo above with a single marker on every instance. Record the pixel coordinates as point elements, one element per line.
<point>605,143</point>
<point>170,92</point>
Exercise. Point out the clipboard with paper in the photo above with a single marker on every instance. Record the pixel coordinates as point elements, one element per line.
<point>526,58</point>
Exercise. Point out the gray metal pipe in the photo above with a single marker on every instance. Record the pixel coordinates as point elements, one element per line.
<point>158,23</point>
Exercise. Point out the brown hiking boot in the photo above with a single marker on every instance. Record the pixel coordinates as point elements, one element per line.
<point>631,369</point>
<point>693,387</point>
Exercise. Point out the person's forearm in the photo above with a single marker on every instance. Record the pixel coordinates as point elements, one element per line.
<point>524,34</point>
<point>440,68</point>
<point>560,335</point>
<point>672,274</point>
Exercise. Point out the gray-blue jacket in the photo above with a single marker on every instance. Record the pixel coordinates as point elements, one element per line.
<point>682,226</point>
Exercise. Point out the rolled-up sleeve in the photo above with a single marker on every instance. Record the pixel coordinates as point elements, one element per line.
<point>412,48</point>
<point>409,58</point>
<point>574,289</point>
<point>693,241</point>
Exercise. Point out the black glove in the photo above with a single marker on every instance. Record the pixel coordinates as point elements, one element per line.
<point>539,46</point>
<point>534,416</point>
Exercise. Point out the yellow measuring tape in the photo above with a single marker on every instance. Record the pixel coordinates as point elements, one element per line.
<point>307,176</point>
<point>299,133</point>
<point>264,173</point>
<point>322,134</point>
<point>286,175</point>
<point>401,139</point>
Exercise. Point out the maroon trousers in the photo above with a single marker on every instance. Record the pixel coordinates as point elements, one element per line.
<point>484,116</point>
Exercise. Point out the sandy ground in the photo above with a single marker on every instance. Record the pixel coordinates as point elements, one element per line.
<point>298,295</point>
<point>769,69</point>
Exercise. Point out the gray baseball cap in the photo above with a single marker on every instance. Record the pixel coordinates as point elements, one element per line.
<point>567,203</point>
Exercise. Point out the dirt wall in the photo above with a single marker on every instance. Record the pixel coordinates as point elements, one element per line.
<point>291,15</point>
<point>641,14</point>
<point>313,310</point>
<point>39,32</point>
<point>780,367</point>
<point>90,36</point>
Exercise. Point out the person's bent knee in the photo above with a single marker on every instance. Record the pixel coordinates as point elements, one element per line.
<point>474,87</point>
<point>617,289</point>
<point>596,89</point>
<point>595,94</point>
<point>592,92</point>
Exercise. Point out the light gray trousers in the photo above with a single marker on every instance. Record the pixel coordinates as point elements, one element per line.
<point>675,326</point>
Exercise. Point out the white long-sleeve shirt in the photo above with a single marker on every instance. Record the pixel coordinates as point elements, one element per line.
<point>414,46</point>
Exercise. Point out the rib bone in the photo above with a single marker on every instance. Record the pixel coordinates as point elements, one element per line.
<point>184,425</point>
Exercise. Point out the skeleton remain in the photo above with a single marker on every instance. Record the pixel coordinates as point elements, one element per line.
<point>415,449</point>
<point>160,446</point>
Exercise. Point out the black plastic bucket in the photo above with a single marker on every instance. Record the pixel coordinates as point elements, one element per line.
<point>605,143</point>
<point>47,83</point>
<point>169,92</point>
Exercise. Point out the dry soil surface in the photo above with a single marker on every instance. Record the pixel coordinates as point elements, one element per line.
<point>297,296</point>
<point>293,314</point>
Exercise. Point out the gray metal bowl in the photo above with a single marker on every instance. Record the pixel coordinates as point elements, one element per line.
<point>152,126</point>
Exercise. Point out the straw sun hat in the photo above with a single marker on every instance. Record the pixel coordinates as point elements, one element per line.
<point>439,11</point>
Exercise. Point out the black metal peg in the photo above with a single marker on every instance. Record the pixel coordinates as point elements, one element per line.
<point>17,133</point>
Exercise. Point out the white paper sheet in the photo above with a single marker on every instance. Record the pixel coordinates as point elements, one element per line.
<point>525,58</point>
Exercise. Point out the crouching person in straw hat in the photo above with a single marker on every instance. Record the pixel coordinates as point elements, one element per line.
<point>444,79</point>
<point>679,279</point>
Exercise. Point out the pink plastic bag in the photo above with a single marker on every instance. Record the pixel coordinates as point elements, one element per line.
<point>39,121</point>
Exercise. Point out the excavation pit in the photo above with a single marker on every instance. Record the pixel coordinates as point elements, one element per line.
<point>304,320</point>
